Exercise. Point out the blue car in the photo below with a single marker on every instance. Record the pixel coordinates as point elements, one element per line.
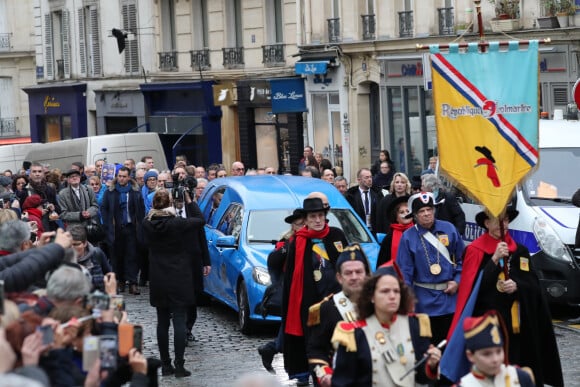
<point>245,218</point>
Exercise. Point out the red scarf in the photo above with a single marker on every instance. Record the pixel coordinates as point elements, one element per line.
<point>34,211</point>
<point>397,230</point>
<point>293,319</point>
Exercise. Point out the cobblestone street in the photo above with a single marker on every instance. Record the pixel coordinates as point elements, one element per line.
<point>221,353</point>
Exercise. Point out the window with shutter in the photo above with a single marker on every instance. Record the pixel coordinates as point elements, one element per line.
<point>66,42</point>
<point>48,50</point>
<point>82,45</point>
<point>129,14</point>
<point>95,42</point>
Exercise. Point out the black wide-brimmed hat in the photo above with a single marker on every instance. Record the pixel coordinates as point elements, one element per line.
<point>313,205</point>
<point>480,218</point>
<point>392,207</point>
<point>297,214</point>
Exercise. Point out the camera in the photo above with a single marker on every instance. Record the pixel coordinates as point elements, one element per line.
<point>181,186</point>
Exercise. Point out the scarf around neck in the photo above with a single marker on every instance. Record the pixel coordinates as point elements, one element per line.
<point>293,318</point>
<point>397,230</point>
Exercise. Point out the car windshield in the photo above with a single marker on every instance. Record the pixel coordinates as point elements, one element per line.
<point>552,181</point>
<point>268,226</point>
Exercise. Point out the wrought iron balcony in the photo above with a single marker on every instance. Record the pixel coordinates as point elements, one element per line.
<point>233,57</point>
<point>333,29</point>
<point>168,61</point>
<point>273,55</point>
<point>60,69</point>
<point>8,127</point>
<point>5,42</point>
<point>368,22</point>
<point>446,26</point>
<point>200,59</point>
<point>405,24</point>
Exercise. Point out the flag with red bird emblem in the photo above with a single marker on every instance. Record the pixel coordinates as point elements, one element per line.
<point>486,113</point>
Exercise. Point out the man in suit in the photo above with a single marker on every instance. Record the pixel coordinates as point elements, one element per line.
<point>364,197</point>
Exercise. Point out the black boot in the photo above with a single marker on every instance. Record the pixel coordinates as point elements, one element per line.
<point>180,371</point>
<point>166,368</point>
<point>267,352</point>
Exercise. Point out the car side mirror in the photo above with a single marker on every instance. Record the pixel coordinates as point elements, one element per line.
<point>380,237</point>
<point>227,241</point>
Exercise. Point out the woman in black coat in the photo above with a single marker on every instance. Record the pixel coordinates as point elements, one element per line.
<point>171,276</point>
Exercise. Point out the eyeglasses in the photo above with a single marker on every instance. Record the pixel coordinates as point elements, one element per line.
<point>94,184</point>
<point>239,169</point>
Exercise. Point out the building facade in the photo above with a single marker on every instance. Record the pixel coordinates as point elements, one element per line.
<point>16,69</point>
<point>370,91</point>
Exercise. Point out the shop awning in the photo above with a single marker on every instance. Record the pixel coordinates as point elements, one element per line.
<point>311,67</point>
<point>288,95</point>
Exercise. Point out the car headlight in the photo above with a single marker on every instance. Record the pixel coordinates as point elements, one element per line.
<point>549,240</point>
<point>261,276</point>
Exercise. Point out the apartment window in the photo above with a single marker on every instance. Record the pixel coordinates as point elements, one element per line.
<point>200,24</point>
<point>4,29</point>
<point>273,52</point>
<point>7,119</point>
<point>235,37</point>
<point>333,23</point>
<point>130,26</point>
<point>89,41</point>
<point>57,44</point>
<point>168,55</point>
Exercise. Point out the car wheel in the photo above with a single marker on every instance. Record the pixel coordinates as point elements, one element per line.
<point>243,309</point>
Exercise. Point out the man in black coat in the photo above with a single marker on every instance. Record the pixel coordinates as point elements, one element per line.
<point>364,198</point>
<point>122,212</point>
<point>38,185</point>
<point>201,261</point>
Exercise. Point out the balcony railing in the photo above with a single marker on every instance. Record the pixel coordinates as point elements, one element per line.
<point>8,127</point>
<point>4,42</point>
<point>233,57</point>
<point>333,30</point>
<point>368,22</point>
<point>273,55</point>
<point>446,26</point>
<point>200,59</point>
<point>60,69</point>
<point>405,24</point>
<point>168,61</point>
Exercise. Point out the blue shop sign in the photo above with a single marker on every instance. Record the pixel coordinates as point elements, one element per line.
<point>305,68</point>
<point>288,95</point>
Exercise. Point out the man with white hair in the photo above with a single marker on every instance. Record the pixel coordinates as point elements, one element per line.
<point>446,205</point>
<point>237,169</point>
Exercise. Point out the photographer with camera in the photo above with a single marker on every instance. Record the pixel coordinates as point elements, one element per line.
<point>172,268</point>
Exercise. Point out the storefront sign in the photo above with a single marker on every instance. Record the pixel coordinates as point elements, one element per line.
<point>288,95</point>
<point>306,68</point>
<point>224,94</point>
<point>408,68</point>
<point>50,102</point>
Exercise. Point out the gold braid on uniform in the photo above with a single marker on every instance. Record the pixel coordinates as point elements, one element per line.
<point>314,311</point>
<point>424,325</point>
<point>344,335</point>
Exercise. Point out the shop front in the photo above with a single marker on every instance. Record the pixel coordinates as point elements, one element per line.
<point>57,111</point>
<point>120,110</point>
<point>184,115</point>
<point>328,119</point>
<point>270,123</point>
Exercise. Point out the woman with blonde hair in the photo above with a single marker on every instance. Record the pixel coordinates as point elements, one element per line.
<point>400,186</point>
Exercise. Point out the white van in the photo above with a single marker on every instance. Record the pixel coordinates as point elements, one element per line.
<point>115,148</point>
<point>12,156</point>
<point>547,220</point>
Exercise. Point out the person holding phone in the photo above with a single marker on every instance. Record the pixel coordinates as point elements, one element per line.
<point>171,275</point>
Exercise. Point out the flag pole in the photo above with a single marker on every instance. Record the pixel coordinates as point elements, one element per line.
<point>482,44</point>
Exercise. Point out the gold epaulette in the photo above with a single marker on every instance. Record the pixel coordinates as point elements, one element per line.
<point>314,312</point>
<point>529,371</point>
<point>344,335</point>
<point>424,325</point>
